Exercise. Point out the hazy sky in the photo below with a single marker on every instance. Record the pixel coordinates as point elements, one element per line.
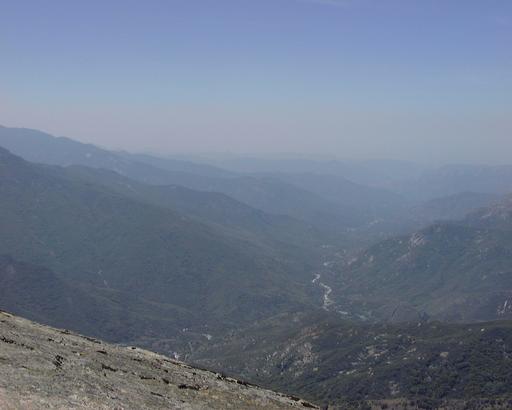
<point>413,79</point>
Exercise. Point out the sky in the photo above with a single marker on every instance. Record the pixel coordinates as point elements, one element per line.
<point>423,80</point>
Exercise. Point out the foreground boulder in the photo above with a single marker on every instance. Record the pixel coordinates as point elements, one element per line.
<point>43,367</point>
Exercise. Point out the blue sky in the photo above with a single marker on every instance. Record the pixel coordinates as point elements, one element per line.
<point>416,79</point>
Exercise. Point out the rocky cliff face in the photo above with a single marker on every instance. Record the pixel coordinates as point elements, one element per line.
<point>43,367</point>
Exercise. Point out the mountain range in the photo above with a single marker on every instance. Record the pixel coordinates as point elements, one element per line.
<point>309,277</point>
<point>455,271</point>
<point>91,236</point>
<point>264,192</point>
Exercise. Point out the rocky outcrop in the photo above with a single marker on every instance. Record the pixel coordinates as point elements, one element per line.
<point>43,367</point>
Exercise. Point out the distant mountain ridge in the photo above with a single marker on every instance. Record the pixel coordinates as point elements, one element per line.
<point>452,179</point>
<point>211,208</point>
<point>455,270</point>
<point>376,173</point>
<point>452,207</point>
<point>93,236</point>
<point>269,194</point>
<point>497,216</point>
<point>40,147</point>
